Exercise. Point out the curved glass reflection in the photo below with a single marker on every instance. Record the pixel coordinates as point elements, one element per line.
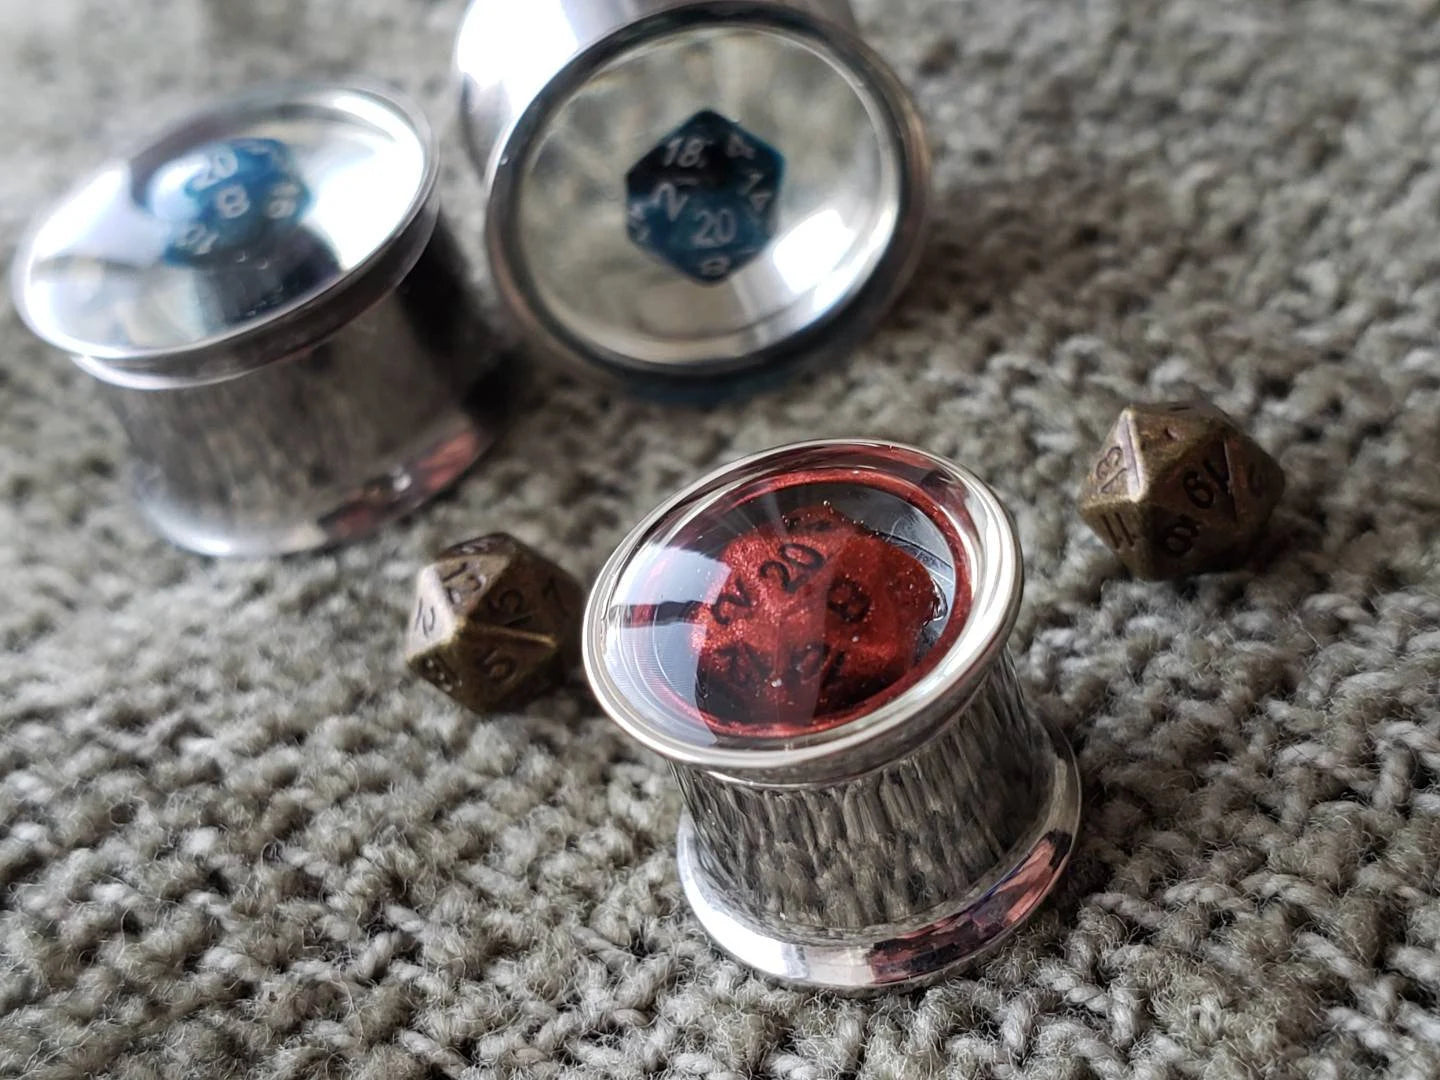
<point>791,605</point>
<point>222,222</point>
<point>792,264</point>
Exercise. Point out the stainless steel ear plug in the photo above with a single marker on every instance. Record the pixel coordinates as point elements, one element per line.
<point>689,196</point>
<point>267,297</point>
<point>815,638</point>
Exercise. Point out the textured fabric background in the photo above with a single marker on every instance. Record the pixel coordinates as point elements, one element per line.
<point>237,840</point>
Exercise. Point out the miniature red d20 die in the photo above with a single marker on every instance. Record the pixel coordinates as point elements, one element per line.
<point>817,615</point>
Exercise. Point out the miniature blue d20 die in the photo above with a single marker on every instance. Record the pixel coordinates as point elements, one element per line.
<point>705,198</point>
<point>228,199</point>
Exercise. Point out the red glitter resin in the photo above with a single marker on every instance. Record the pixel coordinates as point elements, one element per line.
<point>818,616</point>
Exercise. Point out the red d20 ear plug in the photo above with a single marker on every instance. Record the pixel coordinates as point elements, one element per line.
<point>815,638</point>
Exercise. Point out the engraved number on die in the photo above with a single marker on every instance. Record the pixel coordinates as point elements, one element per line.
<point>745,666</point>
<point>508,608</point>
<point>688,153</point>
<point>814,660</point>
<point>848,600</point>
<point>670,197</point>
<point>809,660</point>
<point>425,617</point>
<point>220,165</point>
<point>460,581</point>
<point>808,521</point>
<point>800,561</point>
<point>495,666</point>
<point>715,267</point>
<point>817,660</point>
<point>1118,531</point>
<point>1111,469</point>
<point>552,593</point>
<point>738,147</point>
<point>1201,491</point>
<point>730,603</point>
<point>1178,538</point>
<point>199,240</point>
<point>284,200</point>
<point>233,201</point>
<point>717,228</point>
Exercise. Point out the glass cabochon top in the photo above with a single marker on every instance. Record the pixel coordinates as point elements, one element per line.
<point>790,605</point>
<point>809,136</point>
<point>234,216</point>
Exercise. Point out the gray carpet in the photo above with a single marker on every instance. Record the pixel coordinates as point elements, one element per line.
<point>237,840</point>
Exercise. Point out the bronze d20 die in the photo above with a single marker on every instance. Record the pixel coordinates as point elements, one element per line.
<point>1179,489</point>
<point>495,623</point>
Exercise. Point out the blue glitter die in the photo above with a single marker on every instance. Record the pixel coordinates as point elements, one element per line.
<point>228,200</point>
<point>705,199</point>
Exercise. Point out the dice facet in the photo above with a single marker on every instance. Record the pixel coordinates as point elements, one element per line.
<point>494,624</point>
<point>1179,489</point>
<point>817,615</point>
<point>228,200</point>
<point>705,198</point>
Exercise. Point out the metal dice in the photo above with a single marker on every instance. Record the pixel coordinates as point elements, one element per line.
<point>705,198</point>
<point>228,199</point>
<point>1179,489</point>
<point>494,624</point>
<point>817,615</point>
